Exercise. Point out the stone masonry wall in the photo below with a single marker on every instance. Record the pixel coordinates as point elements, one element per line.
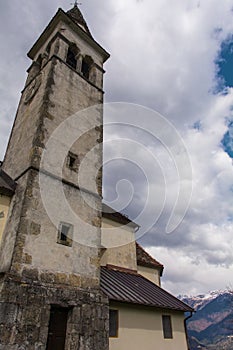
<point>25,313</point>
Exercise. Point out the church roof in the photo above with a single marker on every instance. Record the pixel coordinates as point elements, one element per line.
<point>111,214</point>
<point>76,15</point>
<point>131,287</point>
<point>146,260</point>
<point>7,185</point>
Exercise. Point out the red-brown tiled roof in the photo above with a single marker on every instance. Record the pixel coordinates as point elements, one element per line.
<point>133,288</point>
<point>145,259</point>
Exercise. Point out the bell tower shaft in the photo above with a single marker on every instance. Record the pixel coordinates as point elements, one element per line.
<point>50,264</point>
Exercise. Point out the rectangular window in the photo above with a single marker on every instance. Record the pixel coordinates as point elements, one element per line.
<point>113,323</point>
<point>167,327</point>
<point>65,234</point>
<point>72,161</point>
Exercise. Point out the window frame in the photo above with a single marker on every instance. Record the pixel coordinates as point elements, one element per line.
<point>69,241</point>
<point>167,326</point>
<point>115,324</point>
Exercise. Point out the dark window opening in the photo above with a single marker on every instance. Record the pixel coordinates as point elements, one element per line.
<point>57,328</point>
<point>113,323</point>
<point>72,161</point>
<point>65,234</point>
<point>85,69</point>
<point>86,66</point>
<point>71,58</point>
<point>167,327</point>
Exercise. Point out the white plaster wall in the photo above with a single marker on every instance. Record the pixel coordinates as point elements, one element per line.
<point>151,274</point>
<point>142,329</point>
<point>120,243</point>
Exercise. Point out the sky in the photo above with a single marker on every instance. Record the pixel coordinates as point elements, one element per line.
<point>173,58</point>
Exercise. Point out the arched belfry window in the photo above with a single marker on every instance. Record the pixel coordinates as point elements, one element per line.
<point>71,58</point>
<point>86,66</point>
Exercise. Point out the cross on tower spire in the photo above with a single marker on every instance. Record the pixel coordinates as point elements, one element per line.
<point>76,3</point>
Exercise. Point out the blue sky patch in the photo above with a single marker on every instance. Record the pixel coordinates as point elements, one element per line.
<point>225,63</point>
<point>227,140</point>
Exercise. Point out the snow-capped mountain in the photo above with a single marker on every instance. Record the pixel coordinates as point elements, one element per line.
<point>211,327</point>
<point>199,301</point>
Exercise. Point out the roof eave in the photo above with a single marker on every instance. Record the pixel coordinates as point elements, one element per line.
<point>188,309</point>
<point>8,185</point>
<point>6,192</point>
<point>61,15</point>
<point>123,220</point>
<point>111,214</point>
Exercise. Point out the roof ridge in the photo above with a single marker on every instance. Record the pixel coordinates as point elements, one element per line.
<point>120,269</point>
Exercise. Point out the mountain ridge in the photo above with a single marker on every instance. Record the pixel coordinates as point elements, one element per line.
<point>211,327</point>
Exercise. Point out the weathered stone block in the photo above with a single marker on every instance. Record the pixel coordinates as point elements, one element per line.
<point>35,228</point>
<point>8,313</point>
<point>75,280</point>
<point>31,274</point>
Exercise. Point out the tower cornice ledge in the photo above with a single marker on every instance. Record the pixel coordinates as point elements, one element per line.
<point>75,71</point>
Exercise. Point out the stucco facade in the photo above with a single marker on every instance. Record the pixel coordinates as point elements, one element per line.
<point>151,274</point>
<point>141,328</point>
<point>120,243</point>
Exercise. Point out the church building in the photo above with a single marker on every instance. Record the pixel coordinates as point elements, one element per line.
<point>68,284</point>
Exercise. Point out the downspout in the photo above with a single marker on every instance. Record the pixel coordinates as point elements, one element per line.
<point>185,327</point>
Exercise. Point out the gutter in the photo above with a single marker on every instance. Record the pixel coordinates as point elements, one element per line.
<point>185,327</point>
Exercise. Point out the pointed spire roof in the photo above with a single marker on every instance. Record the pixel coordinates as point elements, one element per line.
<point>76,15</point>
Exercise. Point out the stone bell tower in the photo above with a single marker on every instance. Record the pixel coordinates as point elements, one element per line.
<point>49,279</point>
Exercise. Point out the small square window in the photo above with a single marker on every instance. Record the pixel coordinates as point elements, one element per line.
<point>167,327</point>
<point>72,161</point>
<point>65,234</point>
<point>113,323</point>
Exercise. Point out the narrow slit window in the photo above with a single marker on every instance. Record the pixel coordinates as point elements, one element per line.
<point>65,234</point>
<point>85,69</point>
<point>167,327</point>
<point>113,323</point>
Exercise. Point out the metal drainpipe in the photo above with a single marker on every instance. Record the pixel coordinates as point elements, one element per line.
<point>185,327</point>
